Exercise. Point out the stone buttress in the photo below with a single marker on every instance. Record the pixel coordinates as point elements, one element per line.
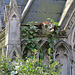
<point>12,32</point>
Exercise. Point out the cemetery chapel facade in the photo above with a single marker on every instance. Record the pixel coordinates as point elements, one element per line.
<point>15,14</point>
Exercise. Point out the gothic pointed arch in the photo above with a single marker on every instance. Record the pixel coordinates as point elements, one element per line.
<point>44,44</point>
<point>64,44</point>
<point>15,52</point>
<point>63,54</point>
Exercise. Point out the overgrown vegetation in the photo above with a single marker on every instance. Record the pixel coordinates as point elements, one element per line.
<point>29,34</point>
<point>32,66</point>
<point>29,67</point>
<point>30,40</point>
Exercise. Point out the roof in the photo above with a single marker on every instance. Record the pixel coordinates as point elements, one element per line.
<point>41,10</point>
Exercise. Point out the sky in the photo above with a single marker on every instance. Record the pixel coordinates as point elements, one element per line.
<point>7,2</point>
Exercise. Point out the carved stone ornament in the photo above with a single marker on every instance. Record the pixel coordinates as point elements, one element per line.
<point>47,28</point>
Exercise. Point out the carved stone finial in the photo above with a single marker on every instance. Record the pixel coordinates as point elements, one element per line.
<point>47,27</point>
<point>12,3</point>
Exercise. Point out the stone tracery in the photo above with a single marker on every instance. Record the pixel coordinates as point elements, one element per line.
<point>63,55</point>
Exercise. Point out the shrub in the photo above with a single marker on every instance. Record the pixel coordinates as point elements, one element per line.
<point>29,67</point>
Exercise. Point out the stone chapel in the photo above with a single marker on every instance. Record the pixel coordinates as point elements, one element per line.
<point>15,14</point>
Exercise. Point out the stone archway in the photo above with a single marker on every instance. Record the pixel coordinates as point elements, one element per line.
<point>63,56</point>
<point>41,42</point>
<point>44,44</point>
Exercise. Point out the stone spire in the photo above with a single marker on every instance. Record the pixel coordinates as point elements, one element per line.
<point>12,32</point>
<point>13,2</point>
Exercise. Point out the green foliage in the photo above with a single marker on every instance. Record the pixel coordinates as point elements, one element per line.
<point>6,66</point>
<point>51,20</point>
<point>29,36</point>
<point>33,66</point>
<point>52,37</point>
<point>30,39</point>
<point>36,67</point>
<point>30,66</point>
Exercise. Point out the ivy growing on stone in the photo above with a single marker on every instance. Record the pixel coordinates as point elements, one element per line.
<point>30,39</point>
<point>52,37</point>
<point>29,35</point>
<point>33,66</point>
